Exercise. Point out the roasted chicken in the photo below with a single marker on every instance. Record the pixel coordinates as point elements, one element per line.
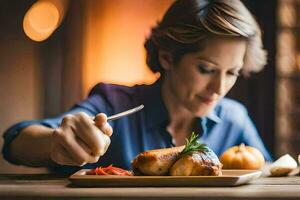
<point>169,161</point>
<point>155,162</point>
<point>197,164</point>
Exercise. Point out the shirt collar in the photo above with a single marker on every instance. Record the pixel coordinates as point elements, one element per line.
<point>213,116</point>
<point>156,111</point>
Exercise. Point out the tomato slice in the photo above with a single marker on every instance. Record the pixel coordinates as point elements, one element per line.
<point>110,170</point>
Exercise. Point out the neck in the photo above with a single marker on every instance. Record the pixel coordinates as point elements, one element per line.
<point>181,119</point>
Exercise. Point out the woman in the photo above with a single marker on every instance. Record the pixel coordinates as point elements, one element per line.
<point>200,48</point>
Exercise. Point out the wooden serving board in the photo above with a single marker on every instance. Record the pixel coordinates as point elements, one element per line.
<point>229,178</point>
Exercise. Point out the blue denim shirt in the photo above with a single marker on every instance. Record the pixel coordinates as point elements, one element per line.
<point>227,125</point>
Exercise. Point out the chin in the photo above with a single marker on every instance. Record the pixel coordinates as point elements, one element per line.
<point>202,110</point>
<point>202,113</point>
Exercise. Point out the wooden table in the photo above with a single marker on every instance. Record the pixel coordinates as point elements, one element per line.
<point>46,186</point>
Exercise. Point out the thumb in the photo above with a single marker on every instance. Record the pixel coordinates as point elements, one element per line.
<point>100,120</point>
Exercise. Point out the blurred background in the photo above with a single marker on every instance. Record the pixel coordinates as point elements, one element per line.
<point>53,51</point>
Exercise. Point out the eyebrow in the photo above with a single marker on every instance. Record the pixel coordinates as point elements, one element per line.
<point>239,67</point>
<point>207,60</point>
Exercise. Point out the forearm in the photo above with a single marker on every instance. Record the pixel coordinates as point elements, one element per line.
<point>32,146</point>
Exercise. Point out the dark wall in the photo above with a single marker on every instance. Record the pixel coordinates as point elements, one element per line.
<point>258,91</point>
<point>21,85</point>
<point>61,56</point>
<point>37,79</point>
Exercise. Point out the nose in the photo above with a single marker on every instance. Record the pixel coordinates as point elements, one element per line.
<point>218,84</point>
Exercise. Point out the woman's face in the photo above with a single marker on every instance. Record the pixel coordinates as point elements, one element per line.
<point>199,80</point>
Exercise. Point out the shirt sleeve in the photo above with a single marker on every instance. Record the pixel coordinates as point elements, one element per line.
<point>91,106</point>
<point>252,138</point>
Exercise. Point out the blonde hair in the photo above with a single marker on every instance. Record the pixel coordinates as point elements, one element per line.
<point>188,24</point>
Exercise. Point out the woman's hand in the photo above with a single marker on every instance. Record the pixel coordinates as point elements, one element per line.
<point>80,139</point>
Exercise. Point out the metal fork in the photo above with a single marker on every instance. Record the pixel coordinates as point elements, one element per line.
<point>125,113</point>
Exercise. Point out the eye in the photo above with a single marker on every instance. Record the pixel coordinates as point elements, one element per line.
<point>205,70</point>
<point>234,73</point>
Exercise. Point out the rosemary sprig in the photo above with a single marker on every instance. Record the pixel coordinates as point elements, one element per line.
<point>193,145</point>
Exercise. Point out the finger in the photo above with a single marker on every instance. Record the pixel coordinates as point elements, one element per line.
<point>96,141</point>
<point>60,156</point>
<point>84,146</point>
<point>93,158</point>
<point>76,151</point>
<point>107,129</point>
<point>100,119</point>
<point>64,135</point>
<point>90,134</point>
<point>61,138</point>
<point>67,120</point>
<point>101,123</point>
<point>107,142</point>
<point>83,116</point>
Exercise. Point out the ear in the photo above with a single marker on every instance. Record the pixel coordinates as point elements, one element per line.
<point>165,59</point>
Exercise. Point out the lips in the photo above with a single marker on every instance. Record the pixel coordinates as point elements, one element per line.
<point>207,100</point>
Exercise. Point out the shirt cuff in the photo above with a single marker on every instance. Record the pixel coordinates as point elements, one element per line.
<point>11,134</point>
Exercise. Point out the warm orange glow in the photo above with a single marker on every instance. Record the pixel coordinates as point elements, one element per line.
<point>43,17</point>
<point>114,38</point>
